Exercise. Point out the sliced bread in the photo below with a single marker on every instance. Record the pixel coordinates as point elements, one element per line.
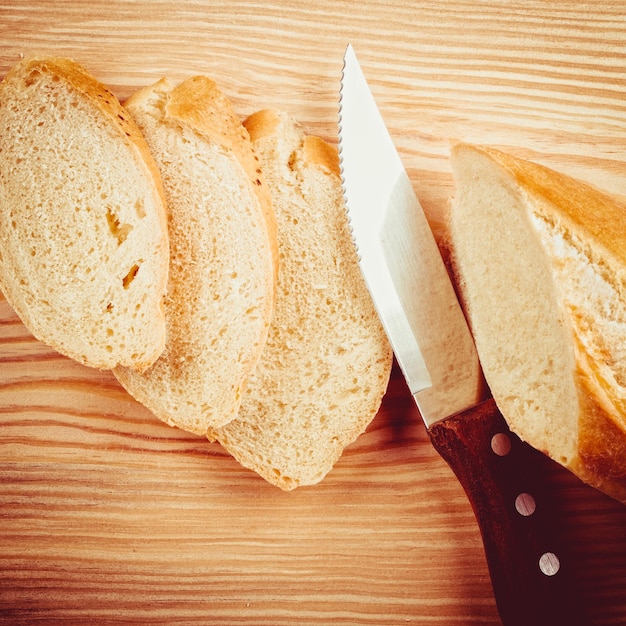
<point>83,233</point>
<point>326,365</point>
<point>541,265</point>
<point>221,289</point>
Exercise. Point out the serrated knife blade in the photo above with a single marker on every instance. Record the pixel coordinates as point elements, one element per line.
<point>418,307</point>
<point>429,333</point>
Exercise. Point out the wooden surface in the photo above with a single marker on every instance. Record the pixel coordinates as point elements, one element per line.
<point>107,515</point>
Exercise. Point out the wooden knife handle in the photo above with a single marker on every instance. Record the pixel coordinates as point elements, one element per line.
<point>519,527</point>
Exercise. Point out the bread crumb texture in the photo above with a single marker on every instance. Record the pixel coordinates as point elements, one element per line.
<point>327,361</point>
<point>221,288</point>
<point>540,259</point>
<point>83,234</point>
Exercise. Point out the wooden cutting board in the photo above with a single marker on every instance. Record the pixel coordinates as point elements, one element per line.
<point>107,515</point>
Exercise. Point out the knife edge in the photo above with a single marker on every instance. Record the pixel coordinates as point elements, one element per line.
<point>429,333</point>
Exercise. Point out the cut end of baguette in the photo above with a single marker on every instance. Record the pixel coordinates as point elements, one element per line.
<point>326,364</point>
<point>541,274</point>
<point>83,234</point>
<point>223,253</point>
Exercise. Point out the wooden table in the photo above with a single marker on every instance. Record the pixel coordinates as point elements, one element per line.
<point>107,515</point>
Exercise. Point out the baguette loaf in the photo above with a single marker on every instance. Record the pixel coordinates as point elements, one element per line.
<point>221,289</point>
<point>326,365</point>
<point>83,233</point>
<point>541,265</point>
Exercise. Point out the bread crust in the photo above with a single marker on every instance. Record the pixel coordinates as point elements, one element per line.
<point>588,212</point>
<point>579,218</point>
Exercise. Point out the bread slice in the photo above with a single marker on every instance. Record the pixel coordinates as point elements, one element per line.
<point>221,289</point>
<point>83,233</point>
<point>326,365</point>
<point>541,265</point>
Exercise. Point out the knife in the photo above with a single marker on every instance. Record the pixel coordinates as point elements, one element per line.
<point>433,346</point>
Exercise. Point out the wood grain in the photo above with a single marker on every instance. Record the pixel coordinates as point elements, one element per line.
<point>107,515</point>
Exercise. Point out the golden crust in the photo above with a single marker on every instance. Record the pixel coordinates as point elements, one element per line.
<point>322,154</point>
<point>262,124</point>
<point>591,213</point>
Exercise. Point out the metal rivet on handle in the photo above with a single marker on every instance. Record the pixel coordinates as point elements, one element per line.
<point>549,563</point>
<point>525,504</point>
<point>501,444</point>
